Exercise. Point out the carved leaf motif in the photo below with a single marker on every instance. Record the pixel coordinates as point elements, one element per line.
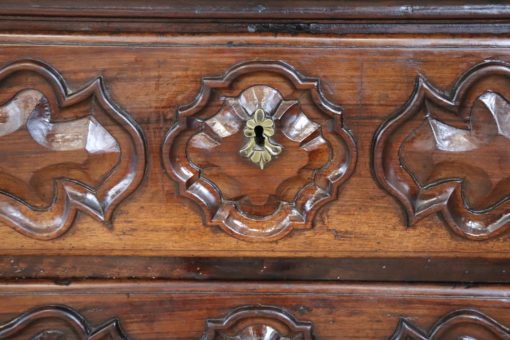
<point>460,324</point>
<point>61,152</point>
<point>258,322</point>
<point>451,155</point>
<point>58,322</point>
<point>304,154</point>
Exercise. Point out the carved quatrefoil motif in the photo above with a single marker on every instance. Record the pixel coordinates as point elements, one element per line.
<point>259,193</point>
<point>62,151</point>
<point>451,154</point>
<point>58,323</point>
<point>258,322</point>
<point>461,324</point>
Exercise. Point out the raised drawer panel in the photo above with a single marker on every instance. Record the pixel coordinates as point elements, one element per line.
<point>62,151</point>
<point>225,310</point>
<point>356,146</point>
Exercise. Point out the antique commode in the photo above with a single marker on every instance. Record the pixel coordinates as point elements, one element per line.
<point>254,169</point>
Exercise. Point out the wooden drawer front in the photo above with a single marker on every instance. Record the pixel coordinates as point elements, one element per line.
<point>222,310</point>
<point>148,146</point>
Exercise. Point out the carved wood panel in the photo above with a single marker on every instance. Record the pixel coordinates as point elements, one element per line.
<point>260,150</point>
<point>460,324</point>
<point>258,322</point>
<point>450,153</point>
<point>62,151</point>
<point>58,323</point>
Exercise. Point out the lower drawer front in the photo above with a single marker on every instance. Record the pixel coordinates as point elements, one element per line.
<point>191,310</point>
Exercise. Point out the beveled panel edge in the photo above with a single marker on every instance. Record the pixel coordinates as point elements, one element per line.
<point>321,189</point>
<point>73,320</point>
<point>71,196</point>
<point>448,326</point>
<point>419,200</point>
<point>258,319</point>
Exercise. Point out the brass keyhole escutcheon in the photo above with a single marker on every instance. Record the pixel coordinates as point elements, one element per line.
<point>259,148</point>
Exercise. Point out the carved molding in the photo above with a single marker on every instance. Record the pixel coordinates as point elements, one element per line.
<point>62,151</point>
<point>460,324</point>
<point>257,322</point>
<point>259,193</point>
<point>449,154</point>
<point>58,322</point>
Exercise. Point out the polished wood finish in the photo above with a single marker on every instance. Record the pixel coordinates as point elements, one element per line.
<point>369,81</point>
<point>184,310</point>
<point>257,321</point>
<point>62,151</point>
<point>44,323</point>
<point>449,154</point>
<point>459,324</point>
<point>65,269</point>
<point>285,181</point>
<point>248,147</point>
<point>275,9</point>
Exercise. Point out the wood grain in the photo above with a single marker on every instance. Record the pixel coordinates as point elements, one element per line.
<point>279,9</point>
<point>206,153</point>
<point>65,269</point>
<point>269,152</point>
<point>151,82</point>
<point>58,322</point>
<point>257,321</point>
<point>455,325</point>
<point>450,157</point>
<point>62,151</point>
<point>181,309</point>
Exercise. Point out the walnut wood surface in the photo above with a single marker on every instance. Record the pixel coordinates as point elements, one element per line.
<point>372,78</point>
<point>182,309</point>
<point>147,76</point>
<point>257,321</point>
<point>204,153</point>
<point>62,151</point>
<point>459,324</point>
<point>275,9</point>
<point>448,155</point>
<point>57,322</point>
<point>67,269</point>
<point>150,142</point>
<point>323,17</point>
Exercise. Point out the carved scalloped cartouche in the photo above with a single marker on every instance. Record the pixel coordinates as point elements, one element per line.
<point>260,150</point>
<point>61,152</point>
<point>59,323</point>
<point>457,325</point>
<point>258,322</point>
<point>451,153</point>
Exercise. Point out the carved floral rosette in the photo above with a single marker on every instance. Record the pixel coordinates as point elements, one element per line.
<point>62,151</point>
<point>259,192</point>
<point>450,153</point>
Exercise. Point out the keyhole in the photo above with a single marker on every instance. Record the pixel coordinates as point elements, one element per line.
<point>259,135</point>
